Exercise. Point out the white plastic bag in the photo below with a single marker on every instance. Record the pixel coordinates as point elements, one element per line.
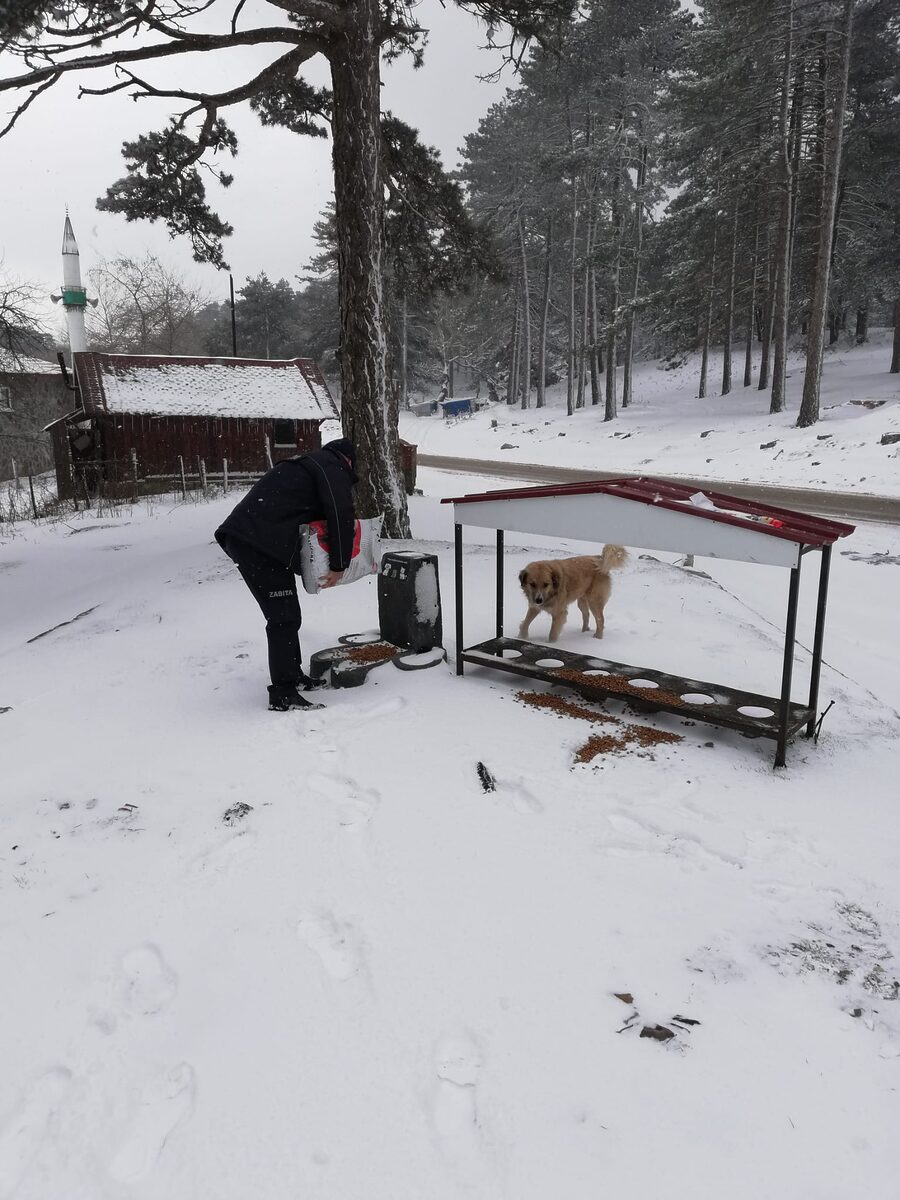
<point>314,553</point>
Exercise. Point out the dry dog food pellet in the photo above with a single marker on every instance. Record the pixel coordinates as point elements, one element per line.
<point>620,685</point>
<point>373,653</point>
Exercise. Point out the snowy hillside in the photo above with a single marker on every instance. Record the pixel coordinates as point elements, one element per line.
<point>668,431</point>
<point>264,955</point>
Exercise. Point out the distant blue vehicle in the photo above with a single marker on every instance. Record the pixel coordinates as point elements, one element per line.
<point>463,407</point>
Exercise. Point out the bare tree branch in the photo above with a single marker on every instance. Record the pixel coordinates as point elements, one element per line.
<point>26,104</point>
<point>185,44</point>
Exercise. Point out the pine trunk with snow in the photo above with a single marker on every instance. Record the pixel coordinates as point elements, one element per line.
<point>809,405</point>
<point>751,309</point>
<point>585,308</point>
<point>572,351</point>
<point>729,307</point>
<point>512,384</point>
<point>368,407</point>
<point>545,317</point>
<point>707,323</point>
<point>895,356</point>
<point>526,322</point>
<point>765,351</point>
<point>783,245</point>
<point>596,365</point>
<point>636,281</point>
<point>612,316</point>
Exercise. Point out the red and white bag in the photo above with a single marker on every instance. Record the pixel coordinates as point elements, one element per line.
<point>314,563</point>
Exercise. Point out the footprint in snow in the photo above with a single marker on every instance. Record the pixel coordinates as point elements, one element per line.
<point>522,800</point>
<point>148,983</point>
<point>223,857</point>
<point>355,805</point>
<point>457,1063</point>
<point>166,1102</point>
<point>23,1132</point>
<point>336,945</point>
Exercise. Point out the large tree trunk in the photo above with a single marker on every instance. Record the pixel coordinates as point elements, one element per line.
<point>596,356</point>
<point>862,324</point>
<point>783,248</point>
<point>585,306</point>
<point>809,405</point>
<point>612,316</point>
<point>526,322</point>
<point>768,283</point>
<point>512,384</point>
<point>570,377</point>
<point>751,308</point>
<point>895,357</point>
<point>545,317</point>
<point>729,307</point>
<point>368,407</point>
<point>707,324</point>
<point>635,283</point>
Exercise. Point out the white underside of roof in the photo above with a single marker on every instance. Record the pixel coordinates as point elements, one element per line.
<point>601,518</point>
<point>214,390</point>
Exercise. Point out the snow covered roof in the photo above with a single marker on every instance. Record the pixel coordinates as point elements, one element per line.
<point>656,515</point>
<point>155,385</point>
<point>22,364</point>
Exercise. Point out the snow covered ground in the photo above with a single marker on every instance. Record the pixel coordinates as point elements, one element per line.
<point>380,981</point>
<point>668,431</point>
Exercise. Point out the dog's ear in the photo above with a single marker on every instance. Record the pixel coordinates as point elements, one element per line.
<point>523,575</point>
<point>555,578</point>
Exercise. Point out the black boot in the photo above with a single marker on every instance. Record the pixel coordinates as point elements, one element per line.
<point>283,697</point>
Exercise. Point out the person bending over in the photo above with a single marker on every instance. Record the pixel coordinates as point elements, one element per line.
<point>262,537</point>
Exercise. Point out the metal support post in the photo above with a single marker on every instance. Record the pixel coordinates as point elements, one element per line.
<point>499,583</point>
<point>458,564</point>
<point>818,639</point>
<point>790,634</point>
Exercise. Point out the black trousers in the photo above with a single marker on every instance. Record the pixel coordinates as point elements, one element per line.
<point>274,588</point>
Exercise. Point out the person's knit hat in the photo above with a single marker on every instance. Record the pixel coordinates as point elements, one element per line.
<point>342,446</point>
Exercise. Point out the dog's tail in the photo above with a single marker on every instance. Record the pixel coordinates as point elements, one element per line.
<point>611,559</point>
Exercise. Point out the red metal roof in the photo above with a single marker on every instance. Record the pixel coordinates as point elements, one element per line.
<point>730,510</point>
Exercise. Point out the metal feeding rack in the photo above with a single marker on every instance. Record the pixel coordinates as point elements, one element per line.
<point>656,515</point>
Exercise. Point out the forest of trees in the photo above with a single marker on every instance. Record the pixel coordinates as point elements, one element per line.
<point>681,182</point>
<point>660,182</point>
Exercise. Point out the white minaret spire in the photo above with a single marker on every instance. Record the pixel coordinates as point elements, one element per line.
<point>74,297</point>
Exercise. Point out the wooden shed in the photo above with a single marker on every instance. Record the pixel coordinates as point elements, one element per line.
<point>140,420</point>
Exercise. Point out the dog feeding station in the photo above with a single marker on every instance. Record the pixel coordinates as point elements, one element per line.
<point>656,515</point>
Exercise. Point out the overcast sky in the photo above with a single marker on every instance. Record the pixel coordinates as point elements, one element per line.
<point>67,152</point>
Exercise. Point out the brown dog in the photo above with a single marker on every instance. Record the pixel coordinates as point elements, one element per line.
<point>553,585</point>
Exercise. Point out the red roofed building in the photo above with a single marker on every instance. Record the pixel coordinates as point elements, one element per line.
<point>141,418</point>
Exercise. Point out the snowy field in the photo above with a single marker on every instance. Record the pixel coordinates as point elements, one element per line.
<point>381,982</point>
<point>668,431</point>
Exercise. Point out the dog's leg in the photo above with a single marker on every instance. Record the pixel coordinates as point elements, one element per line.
<point>585,615</point>
<point>526,623</point>
<point>598,603</point>
<point>556,625</point>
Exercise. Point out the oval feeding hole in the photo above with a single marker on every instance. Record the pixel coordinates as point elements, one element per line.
<point>595,671</point>
<point>549,662</point>
<point>642,683</point>
<point>697,698</point>
<point>750,710</point>
<point>512,653</point>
